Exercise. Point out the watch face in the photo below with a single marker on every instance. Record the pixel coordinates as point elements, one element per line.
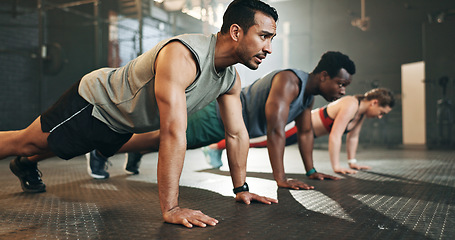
<point>243,188</point>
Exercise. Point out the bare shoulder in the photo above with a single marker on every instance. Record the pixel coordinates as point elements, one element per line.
<point>176,50</point>
<point>175,55</point>
<point>348,100</point>
<point>344,104</point>
<point>286,81</point>
<point>344,101</point>
<point>287,75</point>
<point>348,104</point>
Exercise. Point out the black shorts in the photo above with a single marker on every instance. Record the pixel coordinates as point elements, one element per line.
<point>74,131</point>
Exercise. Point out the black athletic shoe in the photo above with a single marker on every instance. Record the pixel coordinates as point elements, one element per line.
<point>96,165</point>
<point>133,160</point>
<point>29,175</point>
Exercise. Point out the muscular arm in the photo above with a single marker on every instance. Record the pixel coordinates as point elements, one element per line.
<point>285,88</point>
<point>175,70</point>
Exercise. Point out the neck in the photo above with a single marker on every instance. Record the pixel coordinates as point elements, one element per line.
<point>312,85</point>
<point>224,52</point>
<point>363,106</point>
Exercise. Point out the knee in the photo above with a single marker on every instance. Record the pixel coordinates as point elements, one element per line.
<point>30,149</point>
<point>29,146</point>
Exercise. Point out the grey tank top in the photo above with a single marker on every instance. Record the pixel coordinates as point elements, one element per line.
<point>124,98</point>
<point>255,96</point>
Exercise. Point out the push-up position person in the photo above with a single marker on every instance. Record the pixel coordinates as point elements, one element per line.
<point>269,104</point>
<point>157,90</point>
<point>344,116</point>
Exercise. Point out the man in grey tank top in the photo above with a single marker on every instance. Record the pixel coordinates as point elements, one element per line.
<point>157,90</point>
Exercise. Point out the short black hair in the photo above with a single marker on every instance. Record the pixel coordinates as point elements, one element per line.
<point>332,62</point>
<point>242,12</point>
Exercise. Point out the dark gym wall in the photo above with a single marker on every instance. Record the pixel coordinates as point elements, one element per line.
<point>75,33</point>
<point>439,57</point>
<point>24,93</point>
<point>18,49</point>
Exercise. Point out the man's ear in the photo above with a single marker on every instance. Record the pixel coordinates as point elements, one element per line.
<point>324,75</point>
<point>234,32</point>
<point>374,102</point>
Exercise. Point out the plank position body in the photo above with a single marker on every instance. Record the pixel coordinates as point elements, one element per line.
<point>157,90</point>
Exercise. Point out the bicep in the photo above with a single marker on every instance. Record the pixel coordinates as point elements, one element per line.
<point>283,91</point>
<point>175,69</point>
<point>304,121</point>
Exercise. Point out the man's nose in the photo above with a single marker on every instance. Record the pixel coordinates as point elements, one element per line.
<point>268,47</point>
<point>343,91</point>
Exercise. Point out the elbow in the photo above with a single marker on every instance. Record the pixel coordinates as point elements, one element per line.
<point>174,135</point>
<point>275,135</point>
<point>334,139</point>
<point>308,133</point>
<point>241,135</point>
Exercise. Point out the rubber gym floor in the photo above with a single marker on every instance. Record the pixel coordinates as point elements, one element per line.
<point>408,194</point>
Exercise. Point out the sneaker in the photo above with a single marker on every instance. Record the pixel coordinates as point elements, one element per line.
<point>213,157</point>
<point>133,160</point>
<point>96,165</point>
<point>28,174</point>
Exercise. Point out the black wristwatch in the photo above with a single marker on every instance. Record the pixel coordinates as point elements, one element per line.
<point>243,188</point>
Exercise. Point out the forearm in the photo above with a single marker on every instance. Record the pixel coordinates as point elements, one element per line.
<point>334,151</point>
<point>275,146</point>
<point>170,164</point>
<point>237,153</point>
<point>306,144</point>
<point>351,147</point>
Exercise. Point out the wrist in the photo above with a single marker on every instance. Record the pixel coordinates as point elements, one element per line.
<point>311,171</point>
<point>243,188</point>
<point>352,161</point>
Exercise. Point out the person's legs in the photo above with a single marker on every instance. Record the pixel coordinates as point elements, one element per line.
<point>27,142</point>
<point>204,127</point>
<point>31,141</point>
<point>143,142</point>
<point>213,156</point>
<point>106,143</point>
<point>28,174</point>
<point>96,165</point>
<point>136,147</point>
<point>133,161</point>
<point>213,152</point>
